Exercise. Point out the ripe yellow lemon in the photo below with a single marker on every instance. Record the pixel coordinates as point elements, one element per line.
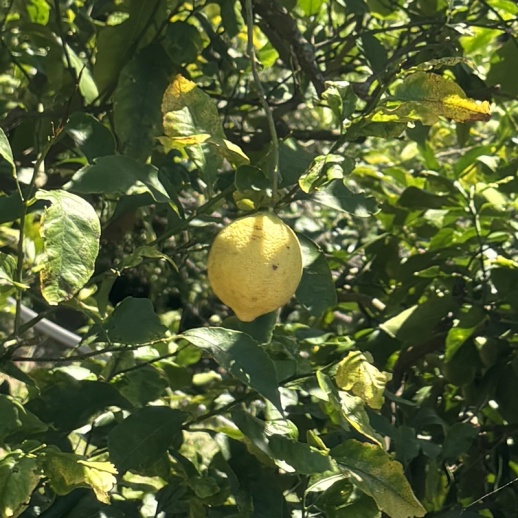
<point>255,265</point>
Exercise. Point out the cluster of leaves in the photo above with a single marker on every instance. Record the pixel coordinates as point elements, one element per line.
<point>132,131</point>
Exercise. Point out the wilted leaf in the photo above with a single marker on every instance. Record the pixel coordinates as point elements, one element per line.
<point>346,410</point>
<point>241,356</point>
<point>67,471</point>
<point>143,438</point>
<point>357,375</point>
<point>375,473</point>
<point>71,230</point>
<point>187,110</point>
<point>425,96</point>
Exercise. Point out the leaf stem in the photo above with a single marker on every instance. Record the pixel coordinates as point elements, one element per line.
<point>274,172</point>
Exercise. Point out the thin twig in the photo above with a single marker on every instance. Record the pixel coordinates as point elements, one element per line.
<point>262,98</point>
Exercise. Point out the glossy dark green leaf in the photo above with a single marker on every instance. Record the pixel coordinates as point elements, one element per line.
<point>144,437</point>
<point>92,137</point>
<point>137,116</point>
<point>316,291</point>
<point>117,43</point>
<point>69,404</point>
<point>241,356</point>
<point>71,230</point>
<point>118,175</point>
<point>339,197</point>
<point>458,440</point>
<point>134,321</point>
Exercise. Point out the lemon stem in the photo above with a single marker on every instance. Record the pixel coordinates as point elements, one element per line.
<point>274,171</point>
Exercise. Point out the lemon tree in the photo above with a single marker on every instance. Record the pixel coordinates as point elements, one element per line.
<point>258,258</point>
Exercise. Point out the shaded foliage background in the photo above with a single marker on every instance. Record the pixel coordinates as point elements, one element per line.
<point>405,210</point>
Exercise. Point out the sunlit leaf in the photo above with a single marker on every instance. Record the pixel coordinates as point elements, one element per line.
<point>67,471</point>
<point>241,356</point>
<point>382,478</point>
<point>426,96</point>
<point>356,374</point>
<point>71,230</point>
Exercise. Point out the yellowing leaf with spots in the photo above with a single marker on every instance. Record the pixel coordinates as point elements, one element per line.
<point>426,97</point>
<point>357,375</point>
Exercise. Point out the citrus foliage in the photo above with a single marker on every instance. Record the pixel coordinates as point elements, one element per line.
<point>384,133</point>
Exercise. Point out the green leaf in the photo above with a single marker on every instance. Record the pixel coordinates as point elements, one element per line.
<point>118,175</point>
<point>10,207</point>
<point>142,385</point>
<point>134,321</point>
<point>11,369</point>
<point>85,81</point>
<point>316,291</point>
<point>374,52</point>
<point>117,43</point>
<point>241,356</point>
<point>356,374</point>
<point>144,437</point>
<point>341,198</point>
<point>6,152</point>
<point>71,230</point>
<point>67,472</point>
<point>15,418</point>
<point>377,475</point>
<point>324,169</point>
<point>8,272</point>
<point>502,61</point>
<point>68,403</point>
<point>300,456</point>
<point>231,16</point>
<point>183,42</point>
<point>310,7</point>
<point>458,440</point>
<point>462,329</point>
<point>288,454</point>
<point>92,137</point>
<point>420,320</point>
<point>19,477</point>
<point>136,110</point>
<point>341,99</point>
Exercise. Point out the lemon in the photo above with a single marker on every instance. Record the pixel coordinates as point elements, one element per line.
<point>255,265</point>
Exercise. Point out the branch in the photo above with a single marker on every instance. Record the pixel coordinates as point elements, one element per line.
<point>282,29</point>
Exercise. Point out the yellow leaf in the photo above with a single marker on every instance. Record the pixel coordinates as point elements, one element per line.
<point>355,374</point>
